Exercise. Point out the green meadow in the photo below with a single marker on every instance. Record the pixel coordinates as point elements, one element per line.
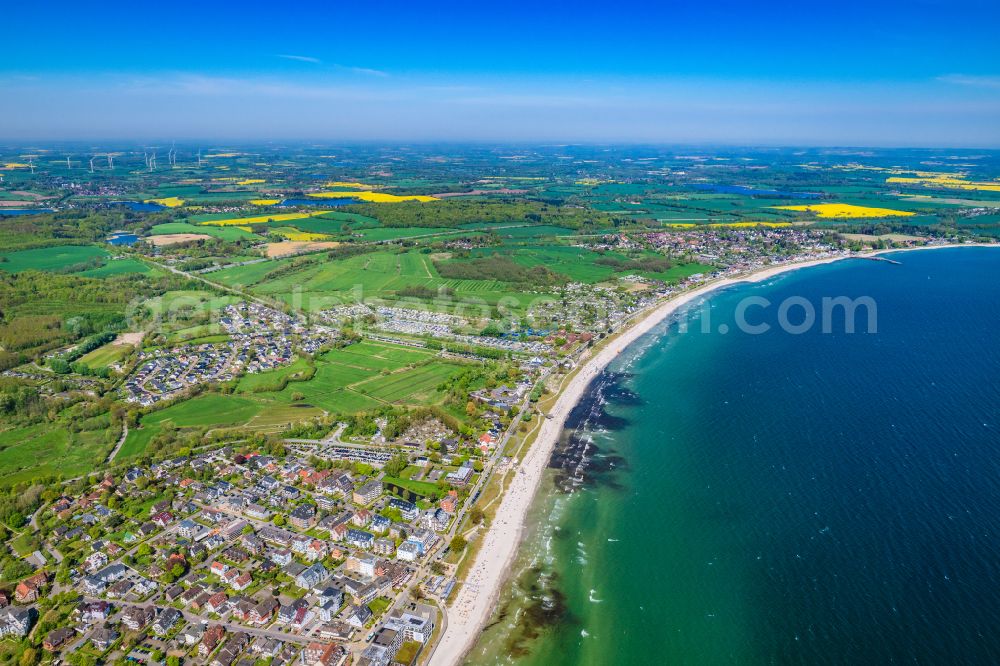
<point>55,258</point>
<point>49,448</point>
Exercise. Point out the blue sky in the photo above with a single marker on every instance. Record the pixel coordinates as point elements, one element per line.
<point>922,72</point>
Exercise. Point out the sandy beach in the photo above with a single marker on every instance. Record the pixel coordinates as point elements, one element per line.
<point>477,596</point>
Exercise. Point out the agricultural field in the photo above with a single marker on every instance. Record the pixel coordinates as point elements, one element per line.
<point>846,211</point>
<point>122,266</point>
<point>49,449</point>
<point>405,226</point>
<point>205,411</point>
<point>326,283</point>
<point>367,375</point>
<point>58,258</point>
<point>224,233</point>
<point>276,380</point>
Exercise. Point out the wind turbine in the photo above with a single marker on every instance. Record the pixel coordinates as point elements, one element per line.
<point>31,164</point>
<point>68,165</point>
<point>111,163</point>
<point>199,158</point>
<point>92,163</point>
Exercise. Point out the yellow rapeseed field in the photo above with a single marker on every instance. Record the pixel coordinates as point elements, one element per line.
<point>262,219</point>
<point>835,210</point>
<point>251,181</point>
<point>373,197</point>
<point>264,202</point>
<point>352,185</point>
<point>945,180</point>
<point>16,165</point>
<point>169,202</point>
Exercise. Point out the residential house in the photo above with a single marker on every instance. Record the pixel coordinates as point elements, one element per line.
<point>358,615</point>
<point>165,621</point>
<point>242,582</point>
<point>408,510</point>
<point>137,617</point>
<point>408,551</point>
<point>16,621</point>
<point>57,638</point>
<point>92,612</point>
<point>103,638</point>
<point>368,493</point>
<point>413,627</point>
<point>312,577</point>
<point>280,557</point>
<point>360,539</point>
<point>217,602</point>
<point>211,639</point>
<point>264,611</point>
<point>303,516</point>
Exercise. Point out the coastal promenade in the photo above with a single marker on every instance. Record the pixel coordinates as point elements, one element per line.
<point>479,593</point>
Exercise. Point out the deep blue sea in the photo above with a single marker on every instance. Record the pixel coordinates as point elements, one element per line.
<point>812,498</point>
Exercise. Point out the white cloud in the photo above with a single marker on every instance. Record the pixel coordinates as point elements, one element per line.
<point>300,58</point>
<point>365,70</point>
<point>971,80</point>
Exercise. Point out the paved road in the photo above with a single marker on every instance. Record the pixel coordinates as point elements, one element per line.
<point>121,440</point>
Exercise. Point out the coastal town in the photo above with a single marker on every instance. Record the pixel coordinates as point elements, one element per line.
<point>396,334</point>
<point>243,426</point>
<point>323,551</point>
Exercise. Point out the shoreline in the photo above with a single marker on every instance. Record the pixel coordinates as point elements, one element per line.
<point>479,593</point>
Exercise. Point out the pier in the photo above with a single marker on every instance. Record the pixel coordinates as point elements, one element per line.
<point>891,261</point>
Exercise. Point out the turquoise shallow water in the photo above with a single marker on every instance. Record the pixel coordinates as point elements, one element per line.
<point>777,498</point>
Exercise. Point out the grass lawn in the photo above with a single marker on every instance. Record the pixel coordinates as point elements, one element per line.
<point>276,416</point>
<point>136,442</point>
<point>383,274</point>
<point>120,267</point>
<point>107,355</point>
<point>359,377</point>
<point>49,258</point>
<point>424,488</point>
<point>48,448</point>
<point>25,544</point>
<point>379,605</point>
<point>246,275</point>
<point>407,653</point>
<point>210,409</point>
<point>275,380</point>
<point>413,386</point>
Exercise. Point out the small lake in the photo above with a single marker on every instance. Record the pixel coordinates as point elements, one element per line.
<point>24,211</point>
<point>140,206</point>
<point>122,239</point>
